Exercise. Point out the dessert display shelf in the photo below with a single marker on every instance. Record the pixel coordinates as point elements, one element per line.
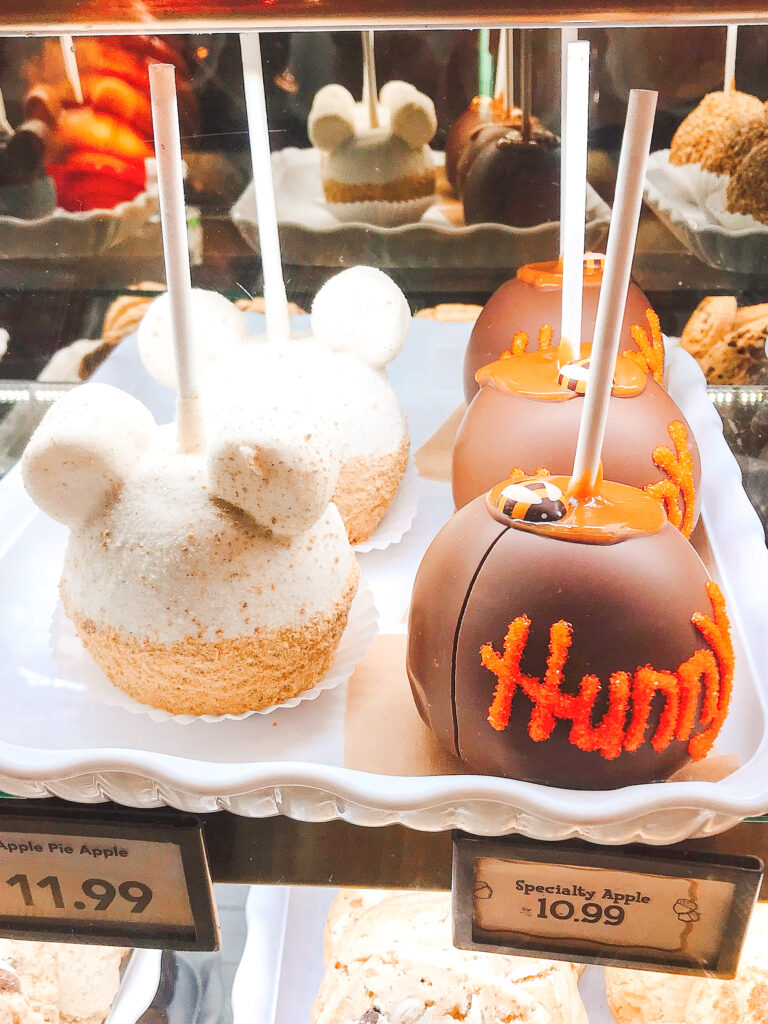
<point>360,752</point>
<point>311,235</point>
<point>71,235</point>
<point>690,202</point>
<point>137,987</point>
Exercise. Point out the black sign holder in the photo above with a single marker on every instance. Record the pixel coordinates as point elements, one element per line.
<point>112,823</point>
<point>743,873</point>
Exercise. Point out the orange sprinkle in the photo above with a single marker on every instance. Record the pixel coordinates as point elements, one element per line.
<point>627,693</point>
<point>679,487</point>
<point>519,343</point>
<point>650,354</point>
<point>506,670</point>
<point>717,633</point>
<point>545,337</point>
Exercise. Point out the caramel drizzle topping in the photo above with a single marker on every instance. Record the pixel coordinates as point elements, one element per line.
<point>650,354</point>
<point>550,273</point>
<point>677,493</point>
<point>624,725</point>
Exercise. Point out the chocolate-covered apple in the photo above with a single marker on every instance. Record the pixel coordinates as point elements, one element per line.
<point>567,641</point>
<point>532,301</point>
<point>508,175</point>
<point>526,415</point>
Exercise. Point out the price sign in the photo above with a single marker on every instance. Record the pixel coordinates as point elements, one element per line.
<point>112,877</point>
<point>636,907</point>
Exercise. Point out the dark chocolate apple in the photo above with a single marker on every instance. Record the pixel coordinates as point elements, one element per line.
<point>531,300</point>
<point>506,178</point>
<point>586,665</point>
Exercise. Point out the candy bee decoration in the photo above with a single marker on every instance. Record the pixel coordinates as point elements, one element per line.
<point>577,640</point>
<point>527,411</point>
<point>210,575</point>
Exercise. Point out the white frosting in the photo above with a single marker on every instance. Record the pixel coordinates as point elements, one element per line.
<point>78,457</point>
<point>402,111</point>
<point>218,325</point>
<point>160,555</point>
<point>361,311</point>
<point>358,154</point>
<point>361,320</point>
<point>165,563</point>
<point>280,465</point>
<point>375,157</point>
<point>358,399</point>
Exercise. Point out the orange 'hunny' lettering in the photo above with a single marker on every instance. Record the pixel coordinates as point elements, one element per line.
<point>630,696</point>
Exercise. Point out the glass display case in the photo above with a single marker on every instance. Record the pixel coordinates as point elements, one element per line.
<point>266,627</point>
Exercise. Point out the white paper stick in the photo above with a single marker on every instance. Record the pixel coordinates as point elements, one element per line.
<point>170,182</point>
<point>567,36</point>
<point>613,292</point>
<point>509,71</point>
<point>275,299</point>
<point>70,66</point>
<point>499,88</point>
<point>729,78</point>
<point>370,89</point>
<point>573,184</point>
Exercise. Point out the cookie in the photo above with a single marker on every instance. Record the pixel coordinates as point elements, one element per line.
<point>395,958</point>
<point>648,997</point>
<point>709,323</point>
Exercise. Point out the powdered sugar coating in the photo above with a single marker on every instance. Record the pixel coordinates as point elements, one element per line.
<point>361,311</point>
<point>165,562</point>
<point>358,400</point>
<point>218,327</point>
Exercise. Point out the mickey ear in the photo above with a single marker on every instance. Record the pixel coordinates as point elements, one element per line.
<point>413,114</point>
<point>280,467</point>
<point>218,328</point>
<point>361,311</point>
<point>332,118</point>
<point>76,460</point>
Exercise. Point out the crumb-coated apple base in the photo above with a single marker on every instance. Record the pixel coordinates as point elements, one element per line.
<point>408,186</point>
<point>228,676</point>
<point>365,490</point>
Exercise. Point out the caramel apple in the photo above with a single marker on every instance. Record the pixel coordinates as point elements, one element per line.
<point>532,299</point>
<point>527,412</point>
<point>573,642</point>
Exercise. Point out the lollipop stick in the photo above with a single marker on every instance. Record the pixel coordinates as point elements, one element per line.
<point>729,78</point>
<point>70,66</point>
<point>509,71</point>
<point>573,186</point>
<point>484,68</point>
<point>613,292</point>
<point>275,300</point>
<point>525,88</point>
<point>170,182</point>
<point>567,36</point>
<point>504,69</point>
<point>370,89</point>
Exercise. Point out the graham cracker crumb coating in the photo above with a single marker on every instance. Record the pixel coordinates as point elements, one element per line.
<point>747,188</point>
<point>229,676</point>
<point>704,126</point>
<point>410,186</point>
<point>736,143</point>
<point>365,489</point>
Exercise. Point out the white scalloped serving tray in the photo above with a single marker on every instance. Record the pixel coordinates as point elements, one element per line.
<point>54,740</point>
